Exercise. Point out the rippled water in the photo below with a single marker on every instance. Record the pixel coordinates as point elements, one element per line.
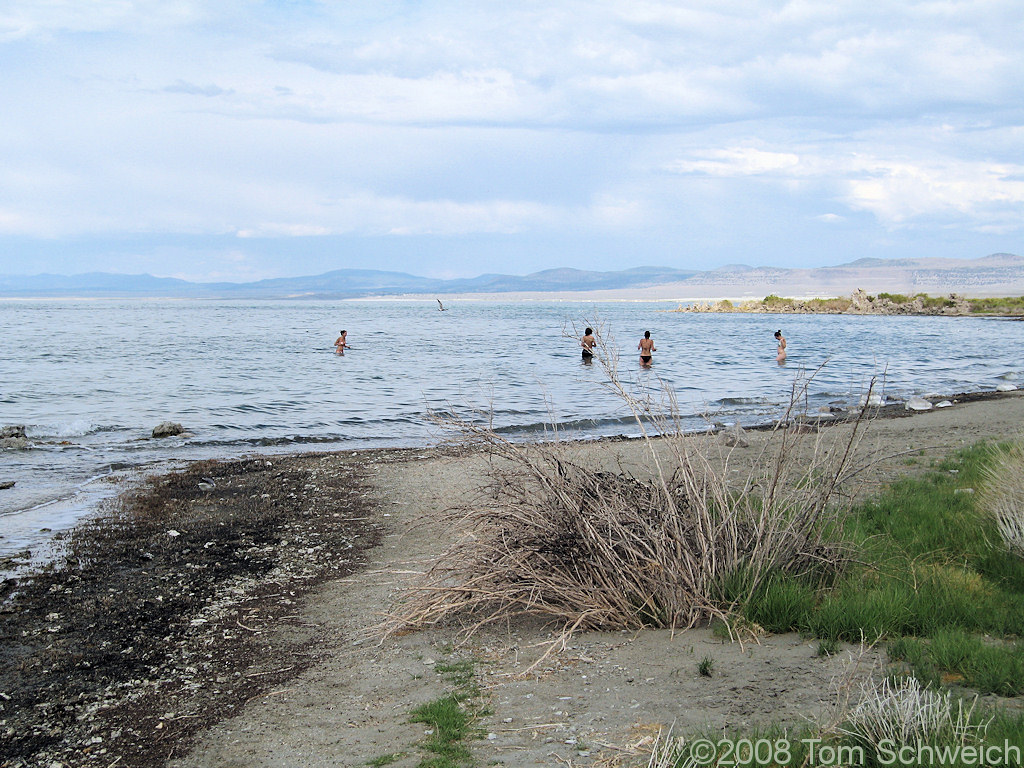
<point>90,379</point>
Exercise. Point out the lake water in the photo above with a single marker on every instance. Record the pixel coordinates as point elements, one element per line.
<point>90,379</point>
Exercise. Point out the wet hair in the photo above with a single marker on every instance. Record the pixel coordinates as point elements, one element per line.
<point>778,333</point>
<point>589,331</point>
<point>342,333</point>
<point>647,334</point>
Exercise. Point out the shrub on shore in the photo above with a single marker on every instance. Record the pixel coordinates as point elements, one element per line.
<point>1007,305</point>
<point>672,545</point>
<point>861,303</point>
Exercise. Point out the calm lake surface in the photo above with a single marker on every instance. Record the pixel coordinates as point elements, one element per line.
<point>90,379</point>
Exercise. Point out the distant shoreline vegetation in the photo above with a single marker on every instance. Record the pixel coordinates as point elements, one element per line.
<point>862,303</point>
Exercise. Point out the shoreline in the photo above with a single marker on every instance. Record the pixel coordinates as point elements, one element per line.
<point>860,303</point>
<point>183,605</point>
<point>27,557</point>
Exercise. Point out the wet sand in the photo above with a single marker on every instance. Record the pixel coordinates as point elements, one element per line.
<point>243,639</point>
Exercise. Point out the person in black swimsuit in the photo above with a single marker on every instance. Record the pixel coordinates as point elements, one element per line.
<point>646,347</point>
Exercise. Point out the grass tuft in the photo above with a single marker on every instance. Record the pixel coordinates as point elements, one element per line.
<point>706,666</point>
<point>904,712</point>
<point>450,725</point>
<point>1003,496</point>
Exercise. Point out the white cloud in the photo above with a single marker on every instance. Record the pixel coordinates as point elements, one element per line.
<point>898,191</point>
<point>737,161</point>
<point>978,194</point>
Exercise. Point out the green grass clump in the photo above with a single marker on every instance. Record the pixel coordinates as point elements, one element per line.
<point>772,300</point>
<point>827,648</point>
<point>451,719</point>
<point>935,302</point>
<point>706,666</point>
<point>450,724</point>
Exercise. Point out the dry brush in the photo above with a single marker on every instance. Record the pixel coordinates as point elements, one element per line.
<point>550,537</point>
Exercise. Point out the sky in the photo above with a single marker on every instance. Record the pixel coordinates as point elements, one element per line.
<point>232,140</point>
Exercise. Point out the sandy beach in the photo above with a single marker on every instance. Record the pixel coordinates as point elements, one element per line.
<point>223,615</point>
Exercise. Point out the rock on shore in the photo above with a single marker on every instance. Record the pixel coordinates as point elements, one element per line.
<point>167,429</point>
<point>13,438</point>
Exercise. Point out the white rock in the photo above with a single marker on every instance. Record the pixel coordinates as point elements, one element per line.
<point>944,404</point>
<point>735,436</point>
<point>1006,387</point>
<point>918,404</point>
<point>172,533</point>
<point>874,399</point>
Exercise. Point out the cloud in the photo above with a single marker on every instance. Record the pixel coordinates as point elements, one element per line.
<point>981,195</point>
<point>737,161</point>
<point>899,191</point>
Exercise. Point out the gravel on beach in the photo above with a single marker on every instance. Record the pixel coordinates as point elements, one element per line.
<point>165,612</point>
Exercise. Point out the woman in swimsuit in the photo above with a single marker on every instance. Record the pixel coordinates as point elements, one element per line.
<point>588,342</point>
<point>646,347</point>
<point>340,343</point>
<point>780,357</point>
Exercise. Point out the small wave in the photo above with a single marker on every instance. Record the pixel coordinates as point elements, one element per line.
<point>745,401</point>
<point>64,430</point>
<point>571,424</point>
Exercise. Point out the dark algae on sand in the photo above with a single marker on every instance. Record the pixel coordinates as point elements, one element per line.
<point>157,620</point>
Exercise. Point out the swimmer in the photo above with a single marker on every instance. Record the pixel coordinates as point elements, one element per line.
<point>588,342</point>
<point>340,343</point>
<point>780,357</point>
<point>646,347</point>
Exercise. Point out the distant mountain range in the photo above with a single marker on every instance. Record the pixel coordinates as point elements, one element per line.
<point>998,274</point>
